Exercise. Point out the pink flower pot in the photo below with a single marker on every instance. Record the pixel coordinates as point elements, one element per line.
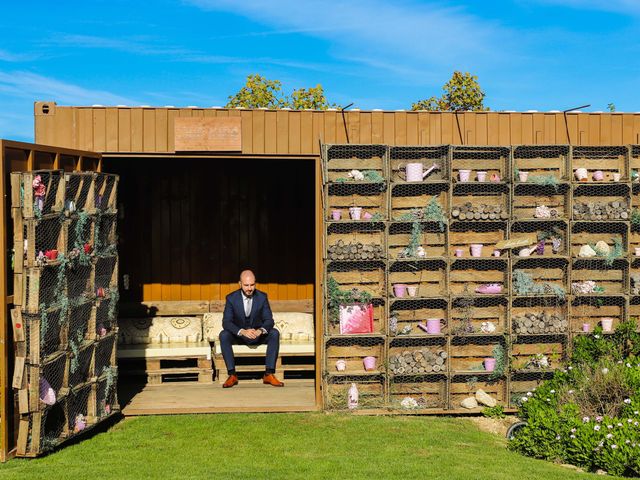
<point>336,214</point>
<point>481,176</point>
<point>434,326</point>
<point>412,290</point>
<point>489,289</point>
<point>341,365</point>
<point>399,290</point>
<point>458,252</point>
<point>523,176</point>
<point>586,327</point>
<point>496,253</point>
<point>355,213</point>
<point>598,176</point>
<point>489,364</point>
<point>607,324</point>
<point>369,363</point>
<point>367,216</point>
<point>464,175</point>
<point>476,249</point>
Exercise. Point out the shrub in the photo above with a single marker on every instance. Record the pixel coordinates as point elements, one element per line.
<point>589,413</point>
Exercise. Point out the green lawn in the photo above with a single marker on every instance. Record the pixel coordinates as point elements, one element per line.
<point>288,446</point>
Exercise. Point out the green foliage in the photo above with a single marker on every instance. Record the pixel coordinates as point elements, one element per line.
<point>461,93</point>
<point>635,216</point>
<point>617,251</point>
<point>611,107</point>
<point>545,180</point>
<point>494,412</point>
<point>433,212</point>
<point>376,217</point>
<point>258,92</point>
<point>310,98</point>
<point>523,284</point>
<point>373,176</point>
<point>339,297</point>
<point>500,354</point>
<point>588,414</point>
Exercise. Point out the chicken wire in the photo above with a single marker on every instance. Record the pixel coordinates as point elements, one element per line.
<point>409,317</point>
<point>106,320</point>
<point>79,187</point>
<point>50,331</point>
<point>80,364</point>
<point>105,192</point>
<point>434,161</point>
<point>542,163</point>
<point>606,159</point>
<point>106,392</point>
<point>104,354</point>
<point>80,410</point>
<point>370,391</point>
<point>51,429</point>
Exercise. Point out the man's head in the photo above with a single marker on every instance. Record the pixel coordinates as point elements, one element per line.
<point>247,282</point>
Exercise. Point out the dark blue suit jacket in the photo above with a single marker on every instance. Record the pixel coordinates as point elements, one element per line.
<point>233,318</point>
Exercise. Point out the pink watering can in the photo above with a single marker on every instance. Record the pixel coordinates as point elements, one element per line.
<point>414,172</point>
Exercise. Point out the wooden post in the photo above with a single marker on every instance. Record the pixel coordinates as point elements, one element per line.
<point>5,387</point>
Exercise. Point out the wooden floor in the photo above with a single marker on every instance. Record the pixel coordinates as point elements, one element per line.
<point>192,397</point>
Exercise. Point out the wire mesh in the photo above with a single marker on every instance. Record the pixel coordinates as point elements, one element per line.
<point>607,240</point>
<point>418,317</point>
<point>539,201</point>
<point>522,385</point>
<point>104,354</point>
<point>80,237</point>
<point>346,355</point>
<point>473,315</point>
<point>79,196</point>
<point>41,192</point>
<point>602,202</point>
<point>105,191</point>
<point>80,364</point>
<point>43,240</point>
<point>534,353</point>
<point>600,163</point>
<point>418,278</point>
<point>588,311</point>
<point>356,241</point>
<point>480,388</point>
<point>80,411</point>
<point>480,201</point>
<point>430,163</point>
<point>106,276</point>
<point>417,356</point>
<point>46,429</point>
<point>418,392</point>
<point>416,240</point>
<point>542,163</point>
<point>369,391</point>
<point>484,235</point>
<point>550,237</point>
<point>420,202</point>
<point>536,276</point>
<point>80,281</point>
<point>473,162</point>
<point>43,288</point>
<point>105,235</point>
<point>106,392</point>
<point>343,161</point>
<point>470,276</point>
<point>107,315</point>
<point>539,315</point>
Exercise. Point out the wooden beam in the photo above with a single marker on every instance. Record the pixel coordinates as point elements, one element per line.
<point>5,388</point>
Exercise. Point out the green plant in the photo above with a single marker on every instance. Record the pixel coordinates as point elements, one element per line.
<point>635,216</point>
<point>545,180</point>
<point>337,297</point>
<point>523,284</point>
<point>464,305</point>
<point>373,176</point>
<point>376,217</point>
<point>500,354</point>
<point>461,93</point>
<point>494,412</point>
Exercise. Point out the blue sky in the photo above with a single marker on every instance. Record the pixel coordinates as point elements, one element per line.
<point>534,54</point>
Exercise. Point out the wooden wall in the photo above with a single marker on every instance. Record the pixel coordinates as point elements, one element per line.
<point>191,225</point>
<point>283,132</point>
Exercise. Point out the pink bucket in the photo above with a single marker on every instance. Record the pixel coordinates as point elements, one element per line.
<point>369,363</point>
<point>607,324</point>
<point>336,214</point>
<point>433,326</point>
<point>598,176</point>
<point>399,290</point>
<point>458,252</point>
<point>464,175</point>
<point>476,249</point>
<point>481,176</point>
<point>489,364</point>
<point>586,327</point>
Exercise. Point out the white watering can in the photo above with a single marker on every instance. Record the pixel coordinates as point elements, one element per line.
<point>414,171</point>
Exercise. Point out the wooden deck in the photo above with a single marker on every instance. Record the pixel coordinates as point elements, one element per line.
<point>192,397</point>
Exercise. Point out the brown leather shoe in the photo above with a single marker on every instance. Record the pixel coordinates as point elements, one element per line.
<point>230,382</point>
<point>270,379</point>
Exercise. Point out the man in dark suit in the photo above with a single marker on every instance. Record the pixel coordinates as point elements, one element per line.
<point>248,320</point>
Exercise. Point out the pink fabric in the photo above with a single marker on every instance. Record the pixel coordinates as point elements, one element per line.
<point>357,318</point>
<point>39,188</point>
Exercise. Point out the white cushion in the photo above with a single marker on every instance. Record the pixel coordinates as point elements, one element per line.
<point>160,330</point>
<point>285,348</point>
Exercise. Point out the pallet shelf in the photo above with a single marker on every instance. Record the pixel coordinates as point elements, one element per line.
<point>529,324</point>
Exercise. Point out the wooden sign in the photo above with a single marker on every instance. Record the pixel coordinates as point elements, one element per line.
<point>199,134</point>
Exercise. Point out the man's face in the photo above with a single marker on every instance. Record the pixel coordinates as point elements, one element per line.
<point>248,285</point>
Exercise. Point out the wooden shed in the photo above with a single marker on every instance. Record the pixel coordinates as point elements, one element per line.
<point>206,192</point>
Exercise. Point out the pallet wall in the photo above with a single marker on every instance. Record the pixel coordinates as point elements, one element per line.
<point>65,295</point>
<point>447,249</point>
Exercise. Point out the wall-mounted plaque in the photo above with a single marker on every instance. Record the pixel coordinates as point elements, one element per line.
<point>198,134</point>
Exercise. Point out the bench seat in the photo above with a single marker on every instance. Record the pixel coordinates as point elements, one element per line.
<point>165,350</point>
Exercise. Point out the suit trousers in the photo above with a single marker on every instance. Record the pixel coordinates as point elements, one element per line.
<point>271,339</point>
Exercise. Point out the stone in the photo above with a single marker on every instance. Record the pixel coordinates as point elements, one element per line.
<point>603,248</point>
<point>485,399</point>
<point>587,251</point>
<point>469,402</point>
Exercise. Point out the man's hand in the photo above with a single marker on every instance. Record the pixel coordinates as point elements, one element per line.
<point>250,333</point>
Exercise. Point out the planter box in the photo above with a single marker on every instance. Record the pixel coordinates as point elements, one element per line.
<point>429,277</point>
<point>409,197</point>
<point>341,159</point>
<point>53,370</point>
<point>468,353</point>
<point>551,272</point>
<point>539,315</point>
<point>37,336</point>
<point>463,234</point>
<point>467,274</point>
<point>418,356</point>
<point>542,161</point>
<point>23,195</point>
<point>106,192</point>
<point>429,391</point>
<point>538,227</point>
<point>608,159</point>
<point>79,193</point>
<point>42,431</point>
<point>480,201</point>
<point>379,320</point>
<point>528,196</point>
<point>365,276</point>
<point>612,278</point>
<point>371,390</point>
<point>526,352</point>
<point>493,160</point>
<point>432,238</point>
<point>590,233</point>
<point>591,309</point>
<point>477,310</point>
<point>427,155</point>
<point>410,312</point>
<point>523,383</point>
<point>353,350</point>
<point>602,202</point>
<point>356,241</point>
<point>463,386</point>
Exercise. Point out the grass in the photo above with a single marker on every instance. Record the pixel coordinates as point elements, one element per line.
<point>288,446</point>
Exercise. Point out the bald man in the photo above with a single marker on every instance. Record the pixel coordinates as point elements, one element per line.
<point>248,320</point>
